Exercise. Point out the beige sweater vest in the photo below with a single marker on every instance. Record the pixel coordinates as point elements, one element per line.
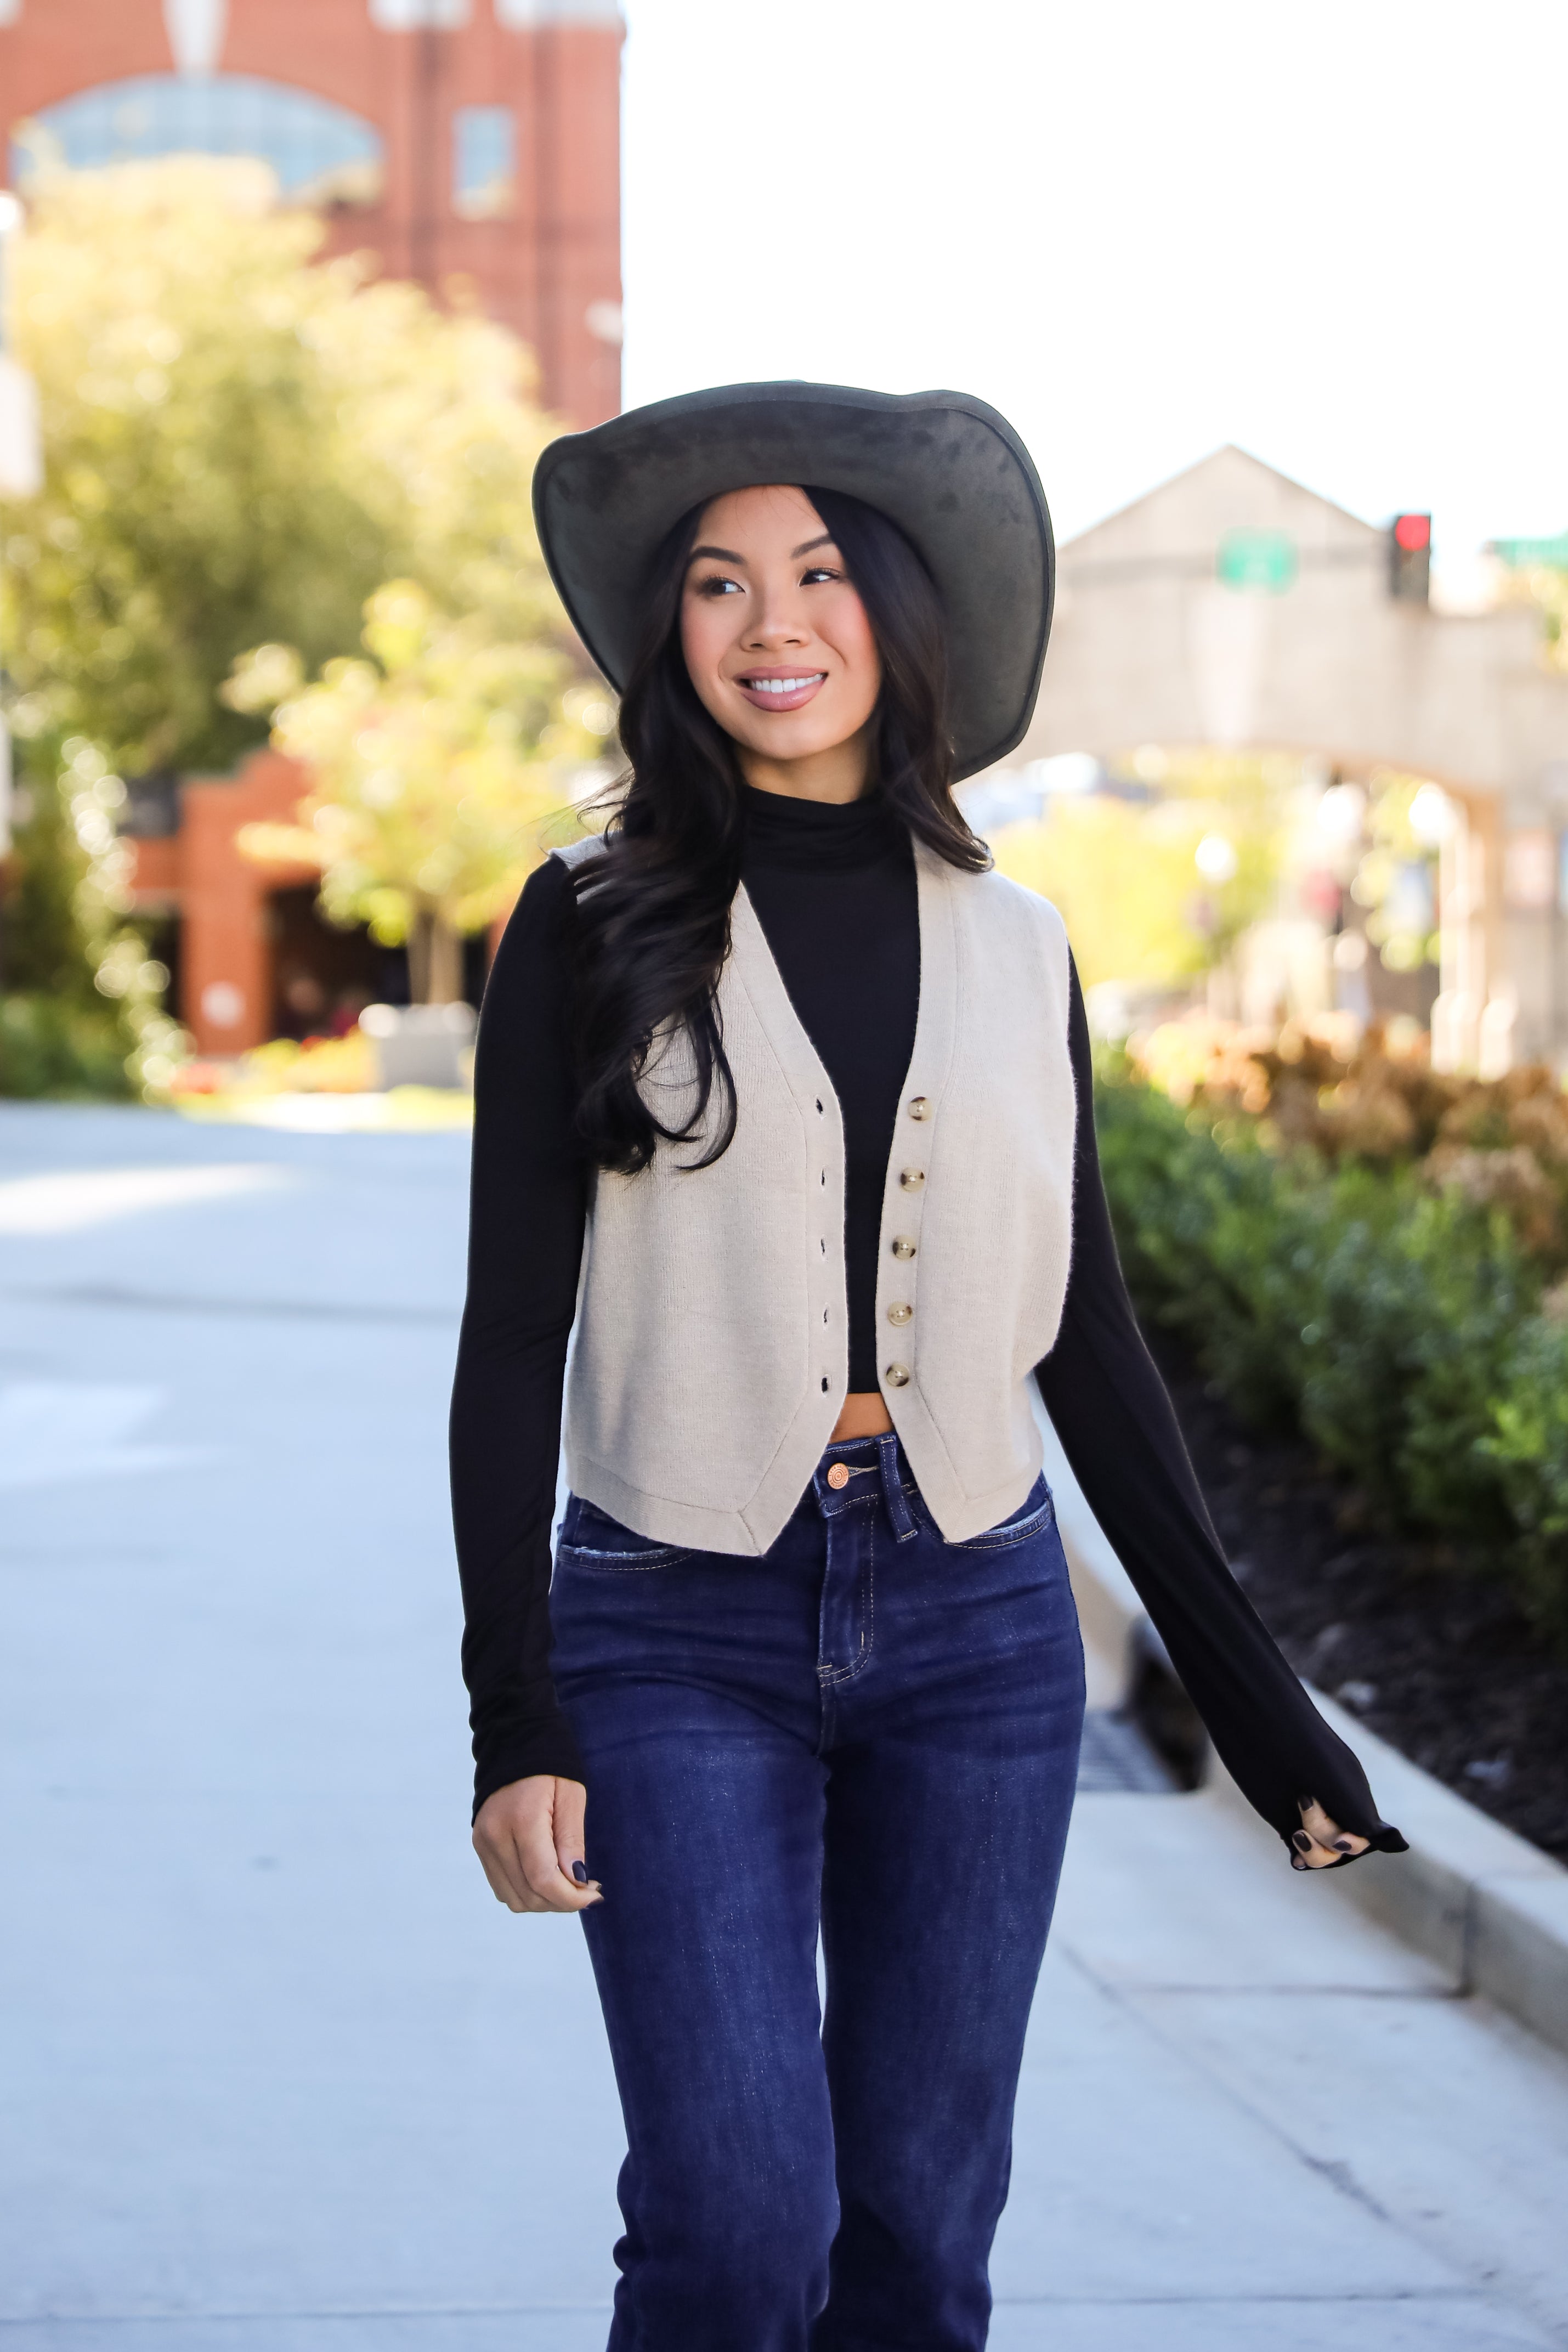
<point>710,1352</point>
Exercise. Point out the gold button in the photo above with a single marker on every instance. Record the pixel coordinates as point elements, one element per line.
<point>912,1179</point>
<point>900,1314</point>
<point>903,1247</point>
<point>919,1107</point>
<point>839,1476</point>
<point>897,1376</point>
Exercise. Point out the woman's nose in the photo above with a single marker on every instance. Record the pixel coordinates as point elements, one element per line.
<point>777,625</point>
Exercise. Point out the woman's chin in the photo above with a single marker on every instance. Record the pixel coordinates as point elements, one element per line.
<point>791,735</point>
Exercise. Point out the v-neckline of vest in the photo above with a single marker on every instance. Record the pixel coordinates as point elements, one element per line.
<point>935,1021</point>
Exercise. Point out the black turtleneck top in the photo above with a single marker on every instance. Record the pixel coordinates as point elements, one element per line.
<point>834,890</point>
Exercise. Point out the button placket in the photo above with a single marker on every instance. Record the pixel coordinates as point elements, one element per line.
<point>905,1247</point>
<point>821,1238</point>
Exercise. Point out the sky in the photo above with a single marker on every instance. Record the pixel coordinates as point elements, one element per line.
<point>1335,234</point>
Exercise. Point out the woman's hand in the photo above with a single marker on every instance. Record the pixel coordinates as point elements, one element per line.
<point>1320,1842</point>
<point>529,1835</point>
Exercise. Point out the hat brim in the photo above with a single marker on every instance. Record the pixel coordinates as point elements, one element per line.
<point>947,468</point>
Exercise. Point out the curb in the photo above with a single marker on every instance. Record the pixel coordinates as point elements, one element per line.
<point>1487,1908</point>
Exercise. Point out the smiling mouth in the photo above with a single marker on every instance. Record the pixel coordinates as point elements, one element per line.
<point>786,692</point>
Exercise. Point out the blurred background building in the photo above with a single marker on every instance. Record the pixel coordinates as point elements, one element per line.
<point>475,141</point>
<point>1231,611</point>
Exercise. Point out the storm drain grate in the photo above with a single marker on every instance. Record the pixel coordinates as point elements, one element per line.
<point>1116,1755</point>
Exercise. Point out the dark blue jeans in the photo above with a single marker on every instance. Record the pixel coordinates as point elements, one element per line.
<point>873,1733</point>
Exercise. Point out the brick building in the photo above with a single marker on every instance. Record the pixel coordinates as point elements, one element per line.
<point>474,139</point>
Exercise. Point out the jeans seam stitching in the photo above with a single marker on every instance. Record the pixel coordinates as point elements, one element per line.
<point>835,1674</point>
<point>870,1603</point>
<point>1017,1534</point>
<point>625,1559</point>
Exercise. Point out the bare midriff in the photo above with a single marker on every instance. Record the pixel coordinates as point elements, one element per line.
<point>864,1415</point>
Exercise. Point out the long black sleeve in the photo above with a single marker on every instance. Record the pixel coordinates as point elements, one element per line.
<point>526,1219</point>
<point>1110,1408</point>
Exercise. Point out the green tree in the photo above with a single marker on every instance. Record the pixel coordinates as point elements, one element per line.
<point>82,1012</point>
<point>433,765</point>
<point>1127,874</point>
<point>242,443</point>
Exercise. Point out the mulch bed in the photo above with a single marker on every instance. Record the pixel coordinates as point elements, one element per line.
<point>1434,1657</point>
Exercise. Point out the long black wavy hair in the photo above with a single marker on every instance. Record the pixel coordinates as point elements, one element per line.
<point>653,915</point>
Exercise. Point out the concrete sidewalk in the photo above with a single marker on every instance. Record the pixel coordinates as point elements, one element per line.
<point>283,2078</point>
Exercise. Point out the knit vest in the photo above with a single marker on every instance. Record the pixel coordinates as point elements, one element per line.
<point>710,1352</point>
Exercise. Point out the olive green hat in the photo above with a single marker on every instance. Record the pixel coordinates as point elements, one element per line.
<point>950,472</point>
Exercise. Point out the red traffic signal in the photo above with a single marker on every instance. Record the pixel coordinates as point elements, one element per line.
<point>1410,558</point>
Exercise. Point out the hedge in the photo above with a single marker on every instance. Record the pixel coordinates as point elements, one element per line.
<point>1409,1332</point>
<point>51,1047</point>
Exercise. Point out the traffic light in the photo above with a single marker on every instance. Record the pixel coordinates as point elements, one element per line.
<point>1410,558</point>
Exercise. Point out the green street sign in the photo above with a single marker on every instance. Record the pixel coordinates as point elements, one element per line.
<point>1262,560</point>
<point>1532,554</point>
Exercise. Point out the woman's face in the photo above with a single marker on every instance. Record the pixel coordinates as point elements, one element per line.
<point>776,639</point>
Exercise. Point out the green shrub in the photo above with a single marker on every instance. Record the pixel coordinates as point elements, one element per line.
<point>52,1048</point>
<point>1205,1232</point>
<point>1529,1443</point>
<point>1398,1329</point>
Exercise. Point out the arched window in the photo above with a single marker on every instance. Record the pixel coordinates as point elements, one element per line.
<point>321,152</point>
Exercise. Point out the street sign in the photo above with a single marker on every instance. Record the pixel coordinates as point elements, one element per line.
<point>1532,554</point>
<point>21,449</point>
<point>1264,560</point>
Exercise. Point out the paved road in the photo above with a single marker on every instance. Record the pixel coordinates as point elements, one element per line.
<point>282,2078</point>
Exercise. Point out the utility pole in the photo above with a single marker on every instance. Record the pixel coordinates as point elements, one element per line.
<point>21,472</point>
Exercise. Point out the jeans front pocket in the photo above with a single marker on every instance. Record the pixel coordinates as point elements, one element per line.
<point>590,1539</point>
<point>1034,1514</point>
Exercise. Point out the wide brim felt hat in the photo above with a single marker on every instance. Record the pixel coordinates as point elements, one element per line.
<point>948,470</point>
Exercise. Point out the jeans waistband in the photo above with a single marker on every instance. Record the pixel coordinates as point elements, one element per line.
<point>873,1469</point>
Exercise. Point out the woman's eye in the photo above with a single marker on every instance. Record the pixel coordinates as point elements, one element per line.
<point>718,586</point>
<point>818,572</point>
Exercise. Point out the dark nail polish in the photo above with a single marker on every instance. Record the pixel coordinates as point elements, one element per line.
<point>579,1872</point>
<point>1344,1846</point>
<point>1300,1841</point>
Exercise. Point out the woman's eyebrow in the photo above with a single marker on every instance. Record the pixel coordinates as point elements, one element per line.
<point>728,555</point>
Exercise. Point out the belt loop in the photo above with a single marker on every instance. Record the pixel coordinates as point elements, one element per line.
<point>892,1494</point>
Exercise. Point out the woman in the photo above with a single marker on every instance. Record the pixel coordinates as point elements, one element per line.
<point>783,1104</point>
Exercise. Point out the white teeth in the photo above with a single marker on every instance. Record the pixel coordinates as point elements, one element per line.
<point>785,685</point>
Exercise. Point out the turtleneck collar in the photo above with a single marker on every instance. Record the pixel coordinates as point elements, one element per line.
<point>827,835</point>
